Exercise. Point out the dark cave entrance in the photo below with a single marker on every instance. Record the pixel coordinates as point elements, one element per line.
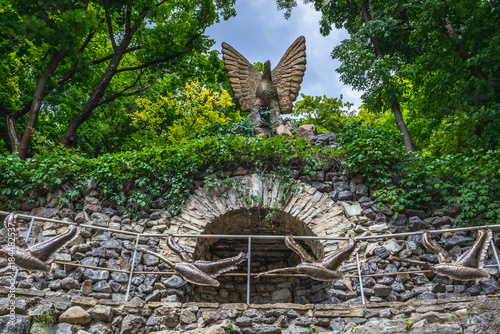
<point>266,254</point>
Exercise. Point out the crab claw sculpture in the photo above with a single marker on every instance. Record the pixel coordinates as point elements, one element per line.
<point>325,269</point>
<point>197,272</point>
<point>467,267</point>
<point>39,256</point>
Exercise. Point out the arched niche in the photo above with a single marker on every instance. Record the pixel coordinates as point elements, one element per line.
<point>266,254</point>
<point>259,205</point>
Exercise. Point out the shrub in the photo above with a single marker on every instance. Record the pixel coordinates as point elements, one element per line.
<point>414,180</point>
<point>135,178</point>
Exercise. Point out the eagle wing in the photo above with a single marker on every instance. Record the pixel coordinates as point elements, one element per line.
<point>181,252</point>
<point>434,247</point>
<point>287,75</point>
<point>243,76</point>
<point>335,260</point>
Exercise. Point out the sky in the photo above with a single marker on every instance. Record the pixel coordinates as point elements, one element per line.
<point>260,32</point>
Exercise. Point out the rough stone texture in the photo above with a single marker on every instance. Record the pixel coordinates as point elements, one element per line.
<point>133,324</point>
<point>75,315</point>
<point>304,206</point>
<point>329,138</point>
<point>70,283</point>
<point>306,131</point>
<point>283,131</point>
<point>351,210</point>
<point>19,325</point>
<point>378,228</point>
<point>416,224</point>
<point>101,312</point>
<point>462,315</point>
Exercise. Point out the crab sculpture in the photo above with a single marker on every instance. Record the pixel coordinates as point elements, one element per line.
<point>39,256</point>
<point>325,269</point>
<point>466,267</point>
<point>197,272</point>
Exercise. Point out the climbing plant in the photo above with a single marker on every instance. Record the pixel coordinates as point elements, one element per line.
<point>136,178</point>
<point>469,181</point>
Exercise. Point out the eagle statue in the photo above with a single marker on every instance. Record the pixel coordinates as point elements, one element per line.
<point>276,89</point>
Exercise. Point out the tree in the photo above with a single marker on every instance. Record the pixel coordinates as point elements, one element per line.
<point>107,50</point>
<point>325,112</point>
<point>178,116</point>
<point>456,76</point>
<point>435,57</point>
<point>364,62</point>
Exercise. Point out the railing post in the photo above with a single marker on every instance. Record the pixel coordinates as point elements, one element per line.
<point>249,253</point>
<point>360,281</point>
<point>496,255</point>
<point>132,267</point>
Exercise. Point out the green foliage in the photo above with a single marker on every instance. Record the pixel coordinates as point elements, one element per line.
<point>259,66</point>
<point>229,329</point>
<point>136,178</point>
<point>312,330</point>
<point>408,324</point>
<point>178,116</point>
<point>243,127</point>
<point>329,113</point>
<point>371,152</point>
<point>462,130</point>
<point>112,52</point>
<point>45,321</point>
<point>431,56</point>
<point>414,180</point>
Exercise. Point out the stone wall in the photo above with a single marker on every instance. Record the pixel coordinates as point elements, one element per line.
<point>323,205</point>
<point>83,315</point>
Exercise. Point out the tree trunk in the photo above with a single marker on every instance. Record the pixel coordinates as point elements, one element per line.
<point>36,103</point>
<point>68,139</point>
<point>12,131</point>
<point>462,52</point>
<point>396,108</point>
<point>69,136</point>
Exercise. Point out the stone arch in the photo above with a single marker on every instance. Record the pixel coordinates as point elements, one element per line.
<point>253,221</point>
<point>297,200</point>
<point>293,206</point>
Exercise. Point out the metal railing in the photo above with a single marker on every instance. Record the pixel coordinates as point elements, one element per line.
<point>137,235</point>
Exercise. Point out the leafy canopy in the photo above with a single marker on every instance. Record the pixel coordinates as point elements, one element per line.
<point>328,114</point>
<point>178,116</point>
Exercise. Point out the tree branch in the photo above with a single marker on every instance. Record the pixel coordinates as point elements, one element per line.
<point>110,29</point>
<point>37,101</point>
<point>160,3</point>
<point>462,52</point>
<point>127,20</point>
<point>16,113</point>
<point>108,57</point>
<point>122,92</point>
<point>161,60</point>
<point>117,95</point>
<point>73,68</point>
